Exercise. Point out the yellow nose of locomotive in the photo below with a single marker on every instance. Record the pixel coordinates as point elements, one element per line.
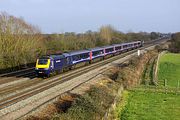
<point>42,63</point>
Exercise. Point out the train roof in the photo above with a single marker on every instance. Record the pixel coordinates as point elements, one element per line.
<point>78,52</point>
<point>57,56</point>
<point>96,49</point>
<point>117,45</point>
<point>108,46</point>
<point>130,43</point>
<point>52,56</point>
<point>126,43</point>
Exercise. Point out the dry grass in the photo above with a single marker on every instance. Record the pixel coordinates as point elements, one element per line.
<point>60,106</point>
<point>131,74</point>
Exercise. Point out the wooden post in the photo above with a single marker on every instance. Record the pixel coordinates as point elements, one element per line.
<point>177,87</point>
<point>165,84</point>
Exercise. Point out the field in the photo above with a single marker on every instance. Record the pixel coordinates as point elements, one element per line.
<point>169,69</point>
<point>150,102</point>
<point>151,106</point>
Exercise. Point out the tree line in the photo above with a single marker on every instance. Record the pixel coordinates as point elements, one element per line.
<point>175,42</point>
<point>106,35</point>
<point>22,43</point>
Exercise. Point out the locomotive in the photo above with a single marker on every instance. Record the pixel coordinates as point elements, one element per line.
<point>56,63</point>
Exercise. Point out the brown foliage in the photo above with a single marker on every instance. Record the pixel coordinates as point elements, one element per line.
<point>131,74</point>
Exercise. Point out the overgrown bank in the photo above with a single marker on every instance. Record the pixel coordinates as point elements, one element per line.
<point>98,102</point>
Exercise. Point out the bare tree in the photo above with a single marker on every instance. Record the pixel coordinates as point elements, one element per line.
<point>106,33</point>
<point>20,42</point>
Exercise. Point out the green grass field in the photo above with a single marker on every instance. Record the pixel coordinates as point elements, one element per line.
<point>155,102</point>
<point>151,106</point>
<point>169,69</point>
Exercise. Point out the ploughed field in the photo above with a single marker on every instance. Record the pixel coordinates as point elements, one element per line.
<point>169,69</point>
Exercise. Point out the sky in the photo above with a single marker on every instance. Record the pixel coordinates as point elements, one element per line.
<point>59,16</point>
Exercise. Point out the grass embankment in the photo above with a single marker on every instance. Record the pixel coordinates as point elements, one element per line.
<point>150,102</point>
<point>169,69</point>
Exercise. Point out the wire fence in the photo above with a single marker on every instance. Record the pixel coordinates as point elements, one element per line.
<point>169,88</point>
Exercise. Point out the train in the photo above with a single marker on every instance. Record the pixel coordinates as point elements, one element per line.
<point>47,65</point>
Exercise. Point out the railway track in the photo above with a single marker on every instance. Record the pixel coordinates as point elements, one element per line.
<point>15,73</point>
<point>17,76</point>
<point>51,82</point>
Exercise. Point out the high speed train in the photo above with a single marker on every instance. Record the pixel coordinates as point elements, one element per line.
<point>55,63</point>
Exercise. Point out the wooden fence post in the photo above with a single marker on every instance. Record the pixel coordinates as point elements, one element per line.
<point>177,87</point>
<point>165,85</point>
<point>165,82</point>
<point>178,84</point>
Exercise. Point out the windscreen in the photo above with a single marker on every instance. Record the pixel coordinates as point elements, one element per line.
<point>42,61</point>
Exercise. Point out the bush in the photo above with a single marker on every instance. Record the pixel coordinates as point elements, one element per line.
<point>175,44</point>
<point>91,106</point>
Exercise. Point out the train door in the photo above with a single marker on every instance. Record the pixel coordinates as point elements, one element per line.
<point>52,64</point>
<point>90,55</point>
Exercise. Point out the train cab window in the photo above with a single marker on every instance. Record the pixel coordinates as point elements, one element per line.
<point>42,61</point>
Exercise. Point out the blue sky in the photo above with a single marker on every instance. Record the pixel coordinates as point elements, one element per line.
<point>57,16</point>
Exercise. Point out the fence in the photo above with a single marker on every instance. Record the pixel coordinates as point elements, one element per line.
<point>156,68</point>
<point>169,88</point>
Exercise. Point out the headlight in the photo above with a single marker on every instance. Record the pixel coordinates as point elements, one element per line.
<point>36,68</point>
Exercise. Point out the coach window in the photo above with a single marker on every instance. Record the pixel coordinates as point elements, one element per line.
<point>84,56</point>
<point>118,48</point>
<point>75,58</point>
<point>95,53</point>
